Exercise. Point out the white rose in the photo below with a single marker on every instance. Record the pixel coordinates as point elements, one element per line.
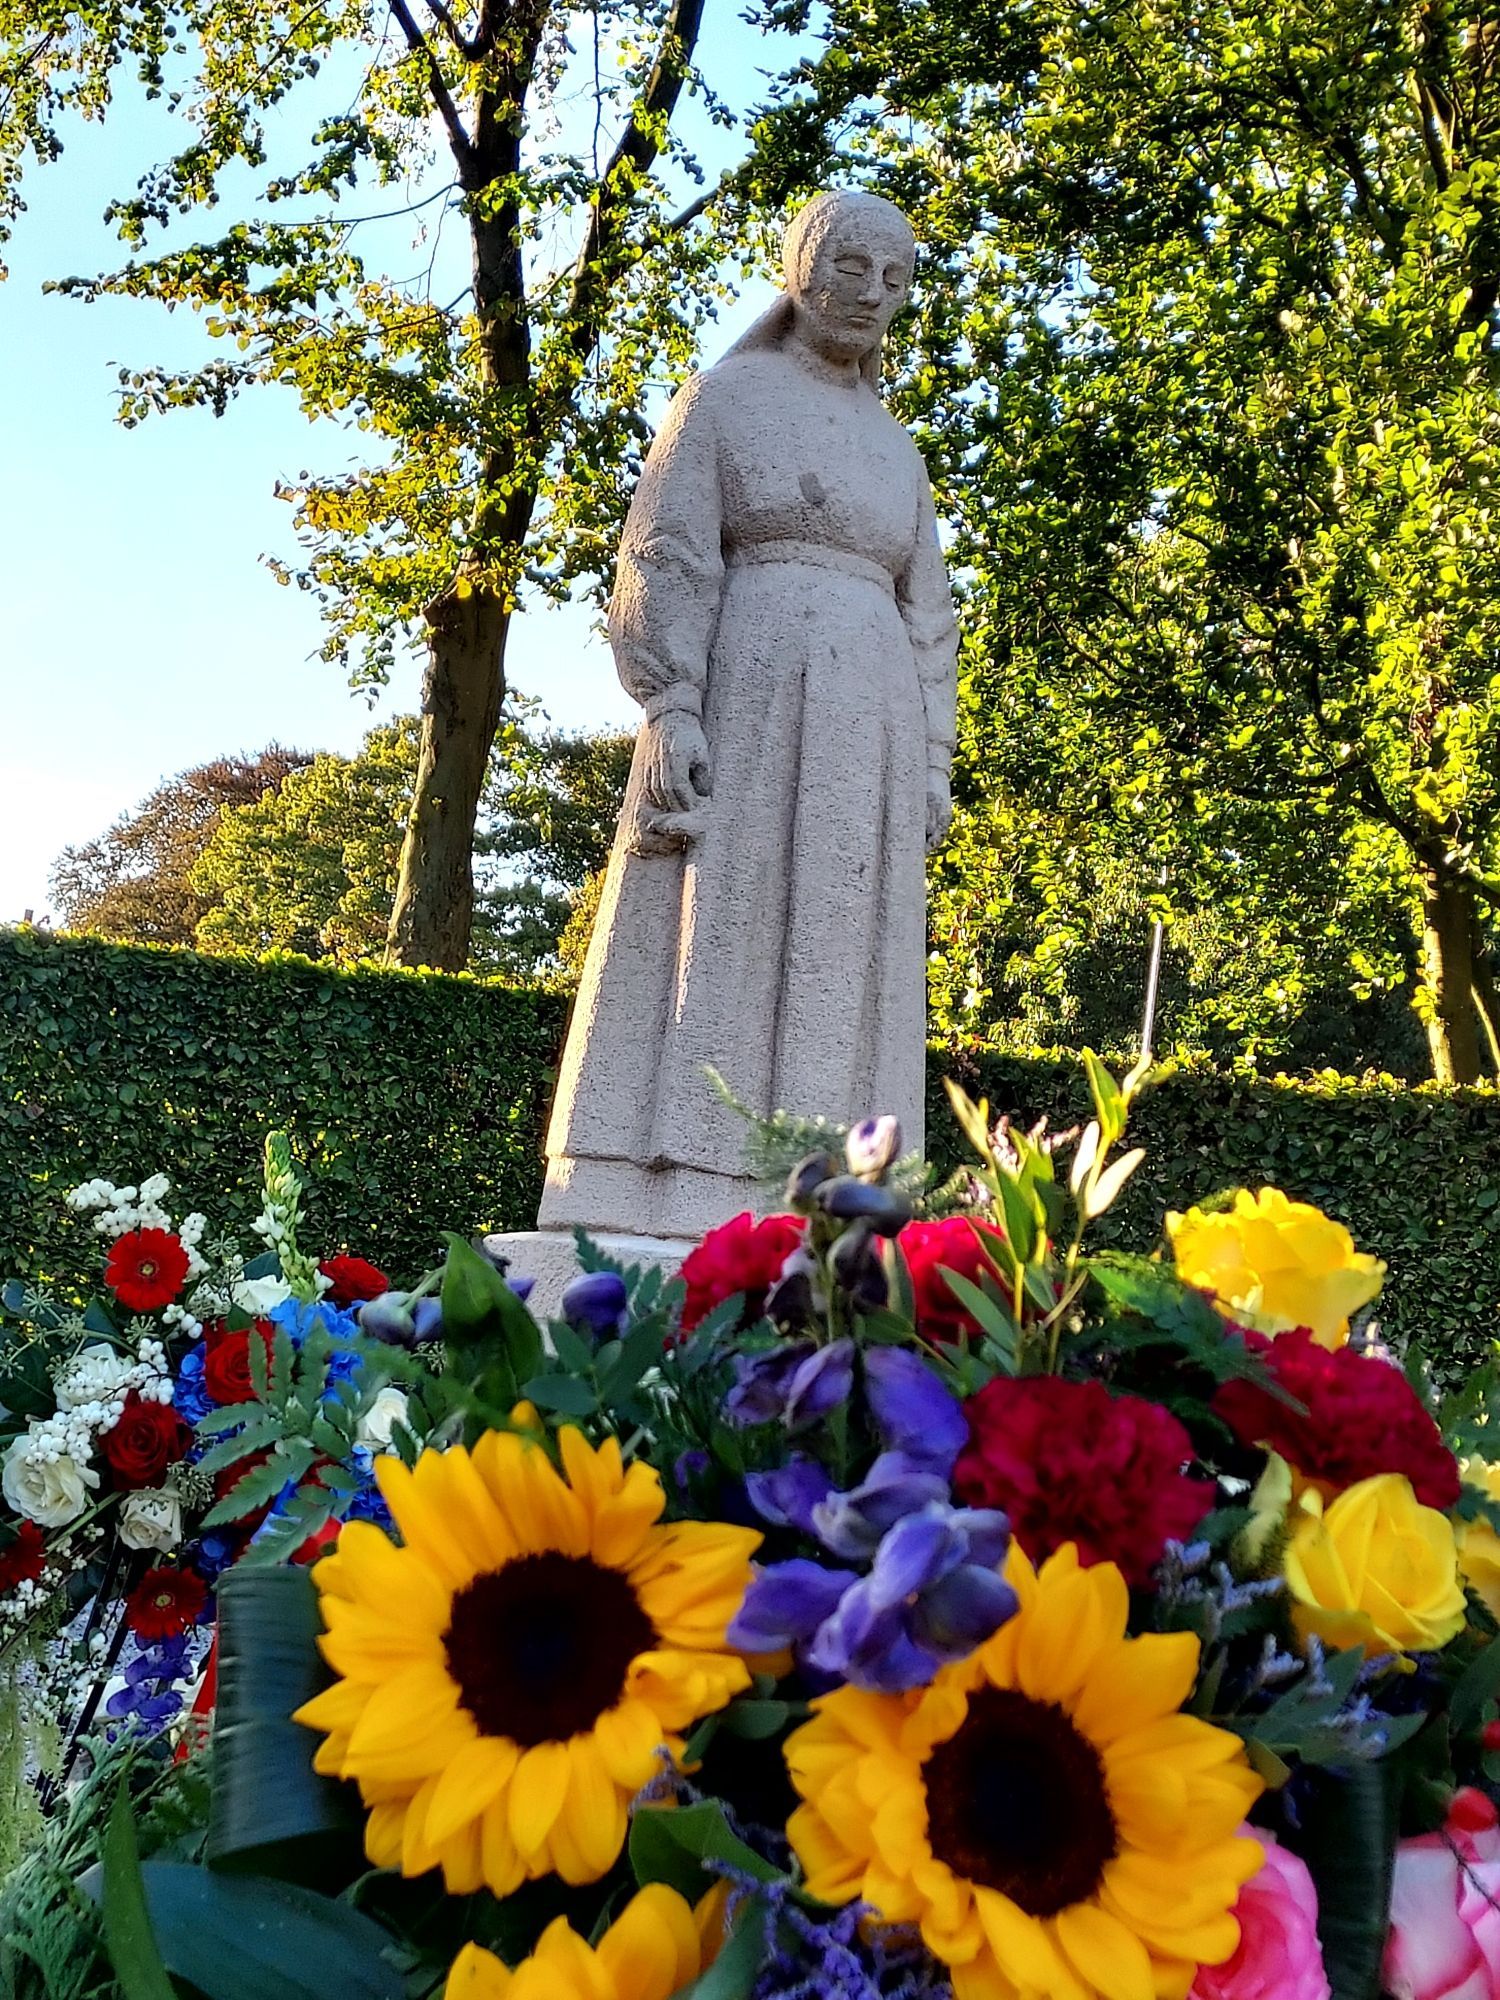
<point>51,1491</point>
<point>151,1520</point>
<point>261,1295</point>
<point>92,1376</point>
<point>377,1423</point>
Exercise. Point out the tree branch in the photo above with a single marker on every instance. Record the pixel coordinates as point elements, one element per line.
<point>458,137</point>
<point>632,158</point>
<point>468,46</point>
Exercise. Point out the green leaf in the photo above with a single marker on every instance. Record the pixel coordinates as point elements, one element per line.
<point>987,1310</point>
<point>127,1922</point>
<point>245,1937</point>
<point>564,1393</point>
<point>1349,1827</point>
<point>756,1720</point>
<point>671,1843</point>
<point>733,1974</point>
<point>272,1813</point>
<point>261,1485</point>
<point>1476,1689</point>
<point>491,1340</point>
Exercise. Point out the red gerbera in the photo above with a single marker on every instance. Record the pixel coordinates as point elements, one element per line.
<point>1069,1462</point>
<point>351,1280</point>
<point>23,1559</point>
<point>741,1256</point>
<point>931,1248</point>
<point>1363,1418</point>
<point>146,1268</point>
<point>164,1603</point>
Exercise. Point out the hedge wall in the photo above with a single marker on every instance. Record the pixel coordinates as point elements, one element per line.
<point>1413,1172</point>
<point>419,1102</point>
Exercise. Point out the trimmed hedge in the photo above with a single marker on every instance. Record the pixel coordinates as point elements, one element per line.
<point>416,1100</point>
<point>1414,1172</point>
<point>419,1103</point>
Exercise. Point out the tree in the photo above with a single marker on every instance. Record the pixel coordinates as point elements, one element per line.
<point>134,882</point>
<point>1205,358</point>
<point>314,867</point>
<point>552,804</point>
<point>505,423</point>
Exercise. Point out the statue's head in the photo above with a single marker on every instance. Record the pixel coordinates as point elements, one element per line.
<point>848,260</point>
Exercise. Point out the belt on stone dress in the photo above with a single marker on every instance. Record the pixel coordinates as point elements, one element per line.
<point>740,555</point>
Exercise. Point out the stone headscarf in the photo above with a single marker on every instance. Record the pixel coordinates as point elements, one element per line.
<point>807,232</point>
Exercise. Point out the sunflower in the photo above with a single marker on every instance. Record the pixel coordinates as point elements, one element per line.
<point>656,1945</point>
<point>1042,1811</point>
<point>510,1675</point>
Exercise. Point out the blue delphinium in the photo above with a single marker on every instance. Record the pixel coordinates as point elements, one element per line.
<point>152,1694</point>
<point>928,1588</point>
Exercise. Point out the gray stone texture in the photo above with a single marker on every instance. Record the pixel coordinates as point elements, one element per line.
<point>782,613</point>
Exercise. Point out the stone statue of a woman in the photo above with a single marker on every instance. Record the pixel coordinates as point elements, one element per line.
<point>782,614</point>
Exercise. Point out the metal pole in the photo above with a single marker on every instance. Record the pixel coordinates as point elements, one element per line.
<point>1153,983</point>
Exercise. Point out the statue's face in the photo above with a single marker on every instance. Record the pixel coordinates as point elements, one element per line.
<point>857,284</point>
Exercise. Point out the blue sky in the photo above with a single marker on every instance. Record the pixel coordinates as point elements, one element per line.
<point>142,632</point>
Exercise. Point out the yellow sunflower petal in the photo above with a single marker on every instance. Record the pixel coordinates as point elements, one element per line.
<point>477,1974</point>
<point>1022,1945</point>
<point>594,1811</point>
<point>475,1777</point>
<point>1134,1683</point>
<point>1106,1953</point>
<point>536,1794</point>
<point>652,1947</point>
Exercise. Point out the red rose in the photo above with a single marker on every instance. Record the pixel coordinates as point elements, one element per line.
<point>741,1256</point>
<point>1069,1462</point>
<point>931,1248</point>
<point>147,1439</point>
<point>1363,1418</point>
<point>23,1559</point>
<point>146,1268</point>
<point>351,1280</point>
<point>164,1603</point>
<point>226,1362</point>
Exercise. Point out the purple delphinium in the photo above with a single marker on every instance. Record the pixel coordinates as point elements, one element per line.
<point>796,1384</point>
<point>151,1694</point>
<point>594,1303</point>
<point>933,1593</point>
<point>932,1590</point>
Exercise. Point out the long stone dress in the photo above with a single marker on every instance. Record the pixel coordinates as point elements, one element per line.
<point>781,555</point>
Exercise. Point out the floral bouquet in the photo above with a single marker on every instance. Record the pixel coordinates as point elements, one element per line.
<point>128,1473</point>
<point>905,1600</point>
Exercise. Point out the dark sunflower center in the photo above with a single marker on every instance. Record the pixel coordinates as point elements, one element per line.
<point>540,1649</point>
<point>1016,1800</point>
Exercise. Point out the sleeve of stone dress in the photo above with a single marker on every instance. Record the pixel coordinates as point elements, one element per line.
<point>670,571</point>
<point>926,600</point>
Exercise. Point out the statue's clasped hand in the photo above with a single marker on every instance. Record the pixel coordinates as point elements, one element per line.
<point>676,774</point>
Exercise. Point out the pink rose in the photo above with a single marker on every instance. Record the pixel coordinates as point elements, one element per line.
<point>1278,1956</point>
<point>1444,1941</point>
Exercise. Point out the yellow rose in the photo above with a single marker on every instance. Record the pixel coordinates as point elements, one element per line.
<point>1375,1569</point>
<point>1478,1544</point>
<point>1276,1264</point>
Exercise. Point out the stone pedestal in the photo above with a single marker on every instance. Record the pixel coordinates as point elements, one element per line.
<point>550,1256</point>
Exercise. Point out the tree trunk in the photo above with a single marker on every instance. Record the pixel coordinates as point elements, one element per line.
<point>1453,1031</point>
<point>461,696</point>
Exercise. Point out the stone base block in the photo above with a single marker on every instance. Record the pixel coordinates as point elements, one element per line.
<point>550,1257</point>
